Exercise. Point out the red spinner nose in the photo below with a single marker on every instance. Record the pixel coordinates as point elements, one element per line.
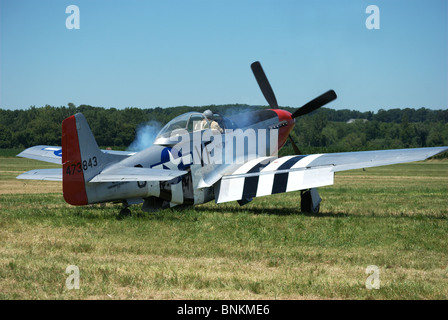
<point>284,130</point>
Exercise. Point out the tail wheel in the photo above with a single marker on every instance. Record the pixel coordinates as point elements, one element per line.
<point>125,212</point>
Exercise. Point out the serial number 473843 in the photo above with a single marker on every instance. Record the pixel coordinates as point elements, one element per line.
<point>78,167</point>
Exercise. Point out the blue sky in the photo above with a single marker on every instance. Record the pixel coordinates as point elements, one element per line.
<point>194,52</point>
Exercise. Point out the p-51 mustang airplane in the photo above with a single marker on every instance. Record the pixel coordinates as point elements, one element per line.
<point>167,175</point>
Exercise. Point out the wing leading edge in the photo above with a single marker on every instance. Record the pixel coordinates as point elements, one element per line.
<point>265,176</point>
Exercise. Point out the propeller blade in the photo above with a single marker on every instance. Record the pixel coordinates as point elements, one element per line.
<point>264,85</point>
<point>316,103</point>
<point>294,146</point>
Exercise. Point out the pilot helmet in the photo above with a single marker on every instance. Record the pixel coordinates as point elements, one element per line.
<point>208,114</point>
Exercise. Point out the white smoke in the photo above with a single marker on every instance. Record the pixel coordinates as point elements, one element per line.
<point>145,136</point>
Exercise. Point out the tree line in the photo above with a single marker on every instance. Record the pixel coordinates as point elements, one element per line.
<point>325,130</point>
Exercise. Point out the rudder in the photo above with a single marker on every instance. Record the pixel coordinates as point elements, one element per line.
<point>81,159</point>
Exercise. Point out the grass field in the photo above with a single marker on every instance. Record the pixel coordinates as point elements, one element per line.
<point>394,217</point>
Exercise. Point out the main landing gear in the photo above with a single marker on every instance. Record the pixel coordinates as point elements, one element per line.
<point>310,202</point>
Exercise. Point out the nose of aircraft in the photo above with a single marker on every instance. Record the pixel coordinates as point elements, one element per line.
<point>286,124</point>
<point>286,119</point>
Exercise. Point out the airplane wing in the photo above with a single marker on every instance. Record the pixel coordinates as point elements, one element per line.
<point>42,174</point>
<point>270,175</point>
<point>136,174</point>
<point>53,154</point>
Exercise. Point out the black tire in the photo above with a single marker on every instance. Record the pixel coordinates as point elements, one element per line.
<point>306,204</point>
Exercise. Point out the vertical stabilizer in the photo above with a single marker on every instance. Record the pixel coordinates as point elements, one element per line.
<point>81,159</point>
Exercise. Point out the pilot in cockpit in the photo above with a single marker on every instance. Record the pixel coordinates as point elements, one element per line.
<point>214,125</point>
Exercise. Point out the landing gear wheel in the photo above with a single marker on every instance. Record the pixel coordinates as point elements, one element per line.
<point>125,212</point>
<point>306,205</point>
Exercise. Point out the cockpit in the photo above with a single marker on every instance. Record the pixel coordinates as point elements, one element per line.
<point>190,122</point>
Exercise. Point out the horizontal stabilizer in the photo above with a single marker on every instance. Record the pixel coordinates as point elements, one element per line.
<point>42,174</point>
<point>53,154</point>
<point>137,174</point>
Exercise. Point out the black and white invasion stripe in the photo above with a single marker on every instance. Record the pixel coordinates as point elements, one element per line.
<point>270,175</point>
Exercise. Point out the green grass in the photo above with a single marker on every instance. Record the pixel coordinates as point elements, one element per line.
<point>10,152</point>
<point>394,217</point>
